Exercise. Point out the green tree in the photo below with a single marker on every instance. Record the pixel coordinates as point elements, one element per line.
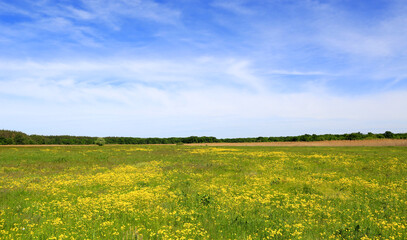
<point>100,141</point>
<point>20,138</point>
<point>388,134</point>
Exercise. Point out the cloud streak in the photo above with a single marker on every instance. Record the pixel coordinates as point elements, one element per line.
<point>86,96</point>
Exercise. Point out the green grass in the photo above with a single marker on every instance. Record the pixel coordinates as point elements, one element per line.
<point>185,192</point>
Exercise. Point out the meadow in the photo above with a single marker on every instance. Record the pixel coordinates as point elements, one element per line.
<point>202,192</point>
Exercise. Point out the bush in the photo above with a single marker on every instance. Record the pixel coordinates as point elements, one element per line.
<point>100,141</point>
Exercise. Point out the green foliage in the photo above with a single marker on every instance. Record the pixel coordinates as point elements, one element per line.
<point>354,136</point>
<point>100,141</point>
<point>13,137</point>
<point>20,138</point>
<point>388,134</point>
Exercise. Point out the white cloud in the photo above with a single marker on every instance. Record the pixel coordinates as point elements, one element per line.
<point>74,90</point>
<point>79,13</point>
<point>340,30</point>
<point>295,73</point>
<point>189,73</point>
<point>85,25</point>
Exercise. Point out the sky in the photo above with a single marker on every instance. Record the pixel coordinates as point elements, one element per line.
<point>145,68</point>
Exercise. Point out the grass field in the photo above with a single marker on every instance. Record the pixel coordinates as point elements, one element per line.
<point>199,192</point>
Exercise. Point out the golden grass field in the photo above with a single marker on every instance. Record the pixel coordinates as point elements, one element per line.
<point>332,143</point>
<point>203,192</point>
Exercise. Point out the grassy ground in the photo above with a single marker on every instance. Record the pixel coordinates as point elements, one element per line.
<point>198,192</point>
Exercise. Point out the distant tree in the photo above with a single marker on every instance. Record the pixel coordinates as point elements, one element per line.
<point>100,141</point>
<point>20,138</point>
<point>3,140</point>
<point>262,139</point>
<point>370,135</point>
<point>354,136</point>
<point>304,138</point>
<point>388,134</point>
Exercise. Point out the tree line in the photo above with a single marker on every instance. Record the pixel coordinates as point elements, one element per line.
<point>8,137</point>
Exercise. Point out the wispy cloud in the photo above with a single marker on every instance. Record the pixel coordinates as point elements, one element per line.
<point>98,83</point>
<point>234,6</point>
<point>111,11</point>
<point>383,39</point>
<point>84,24</point>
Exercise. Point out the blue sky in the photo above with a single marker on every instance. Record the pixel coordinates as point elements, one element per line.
<point>215,68</point>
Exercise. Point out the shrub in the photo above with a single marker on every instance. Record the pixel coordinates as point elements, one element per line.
<point>100,141</point>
